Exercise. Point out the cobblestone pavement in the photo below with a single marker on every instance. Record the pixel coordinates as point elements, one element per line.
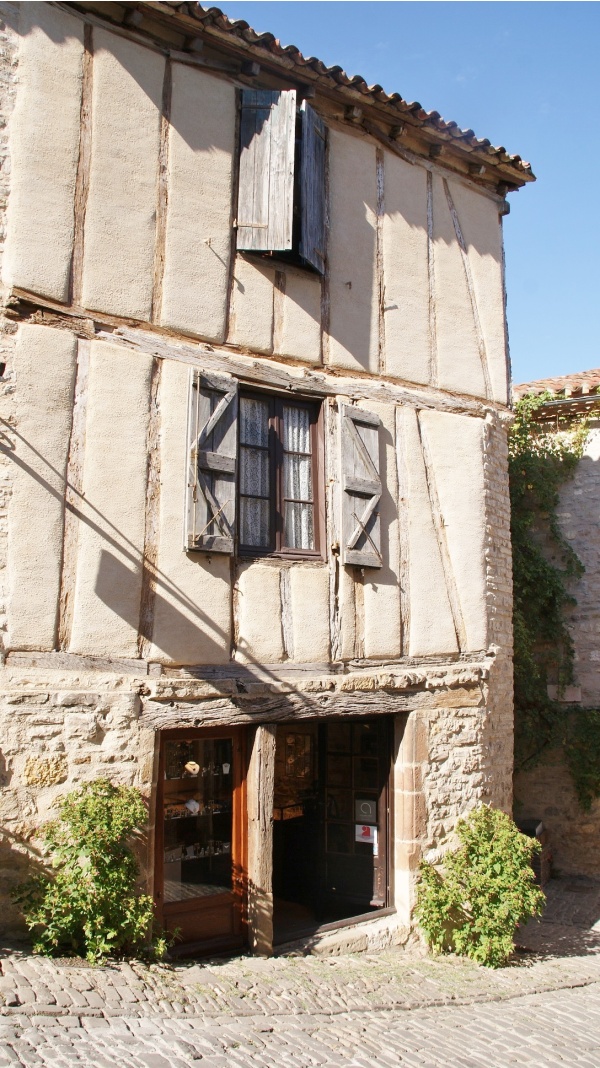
<point>561,1028</point>
<point>355,1011</point>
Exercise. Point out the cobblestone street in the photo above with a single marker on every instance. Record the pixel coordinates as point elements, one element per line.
<point>560,1028</point>
<point>353,1011</point>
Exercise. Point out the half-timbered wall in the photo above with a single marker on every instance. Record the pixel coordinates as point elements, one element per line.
<point>137,222</point>
<point>119,533</point>
<point>122,275</point>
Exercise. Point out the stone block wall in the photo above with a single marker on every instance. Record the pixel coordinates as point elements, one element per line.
<point>56,732</point>
<point>546,792</point>
<point>577,514</point>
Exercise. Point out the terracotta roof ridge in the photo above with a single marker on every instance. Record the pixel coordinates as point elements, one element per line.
<point>592,372</point>
<point>574,385</point>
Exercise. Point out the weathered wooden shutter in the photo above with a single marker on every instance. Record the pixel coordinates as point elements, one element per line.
<point>266,181</point>
<point>312,188</point>
<point>361,487</point>
<point>212,450</point>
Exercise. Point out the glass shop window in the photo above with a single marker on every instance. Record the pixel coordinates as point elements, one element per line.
<point>198,796</point>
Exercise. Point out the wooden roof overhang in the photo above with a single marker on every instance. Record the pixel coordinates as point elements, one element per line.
<point>206,38</point>
<point>568,407</point>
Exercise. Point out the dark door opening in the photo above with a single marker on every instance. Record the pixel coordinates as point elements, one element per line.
<point>331,823</point>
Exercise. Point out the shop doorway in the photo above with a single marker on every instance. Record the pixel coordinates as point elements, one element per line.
<point>200,838</point>
<point>331,823</point>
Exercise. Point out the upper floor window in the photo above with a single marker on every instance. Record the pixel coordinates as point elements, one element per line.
<point>254,472</point>
<point>277,475</point>
<point>281,197</point>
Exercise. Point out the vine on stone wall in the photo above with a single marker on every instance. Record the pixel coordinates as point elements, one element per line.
<point>542,456</point>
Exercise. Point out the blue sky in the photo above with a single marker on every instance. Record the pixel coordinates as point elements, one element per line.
<point>525,75</point>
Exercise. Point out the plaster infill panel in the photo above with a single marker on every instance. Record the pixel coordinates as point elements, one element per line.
<point>198,228</point>
<point>297,316</point>
<point>352,256</point>
<point>456,446</point>
<point>45,362</point>
<point>431,625</point>
<point>108,583</point>
<point>381,586</point>
<point>192,608</point>
<point>258,615</point>
<point>44,147</point>
<point>120,220</point>
<point>251,324</point>
<point>408,338</point>
<point>309,587</point>
<point>482,230</point>
<point>458,358</point>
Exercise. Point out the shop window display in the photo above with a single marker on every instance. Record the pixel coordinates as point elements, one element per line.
<point>198,796</point>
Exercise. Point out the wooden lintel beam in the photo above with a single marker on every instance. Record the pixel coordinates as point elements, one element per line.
<point>248,367</point>
<point>286,707</point>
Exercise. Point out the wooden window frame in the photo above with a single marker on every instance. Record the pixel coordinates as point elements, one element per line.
<point>276,547</point>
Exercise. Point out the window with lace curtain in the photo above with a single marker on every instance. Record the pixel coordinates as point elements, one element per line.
<point>278,476</point>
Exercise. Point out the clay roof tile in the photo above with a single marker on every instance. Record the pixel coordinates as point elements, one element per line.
<point>579,384</point>
<point>213,16</point>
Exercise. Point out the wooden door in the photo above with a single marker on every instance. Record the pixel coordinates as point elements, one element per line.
<point>200,838</point>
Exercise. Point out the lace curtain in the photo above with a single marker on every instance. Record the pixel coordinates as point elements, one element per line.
<point>297,478</point>
<point>256,492</point>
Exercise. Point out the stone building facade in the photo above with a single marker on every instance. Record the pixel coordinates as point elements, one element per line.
<point>255,522</point>
<point>546,792</point>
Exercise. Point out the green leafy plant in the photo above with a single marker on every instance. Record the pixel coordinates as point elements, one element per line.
<point>582,753</point>
<point>485,889</point>
<point>542,456</point>
<point>88,904</point>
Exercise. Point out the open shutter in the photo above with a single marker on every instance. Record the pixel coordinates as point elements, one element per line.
<point>266,182</point>
<point>361,487</point>
<point>212,450</point>
<point>312,188</point>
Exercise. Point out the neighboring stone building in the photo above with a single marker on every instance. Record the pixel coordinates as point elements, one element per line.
<point>546,792</point>
<point>309,673</point>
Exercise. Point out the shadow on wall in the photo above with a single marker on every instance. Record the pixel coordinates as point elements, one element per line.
<point>18,860</point>
<point>26,22</point>
<point>388,514</point>
<point>117,586</point>
<point>116,576</point>
<point>120,570</point>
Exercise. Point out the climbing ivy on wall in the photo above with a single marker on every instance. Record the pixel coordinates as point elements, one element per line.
<point>542,456</point>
